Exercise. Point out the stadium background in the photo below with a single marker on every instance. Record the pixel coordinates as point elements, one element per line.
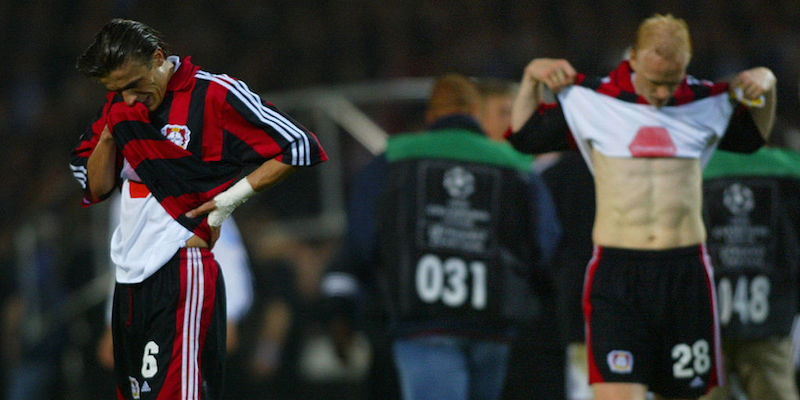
<point>51,250</point>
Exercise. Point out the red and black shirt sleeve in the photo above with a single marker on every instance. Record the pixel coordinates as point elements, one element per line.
<point>546,130</point>
<point>79,156</point>
<point>255,131</point>
<point>742,135</point>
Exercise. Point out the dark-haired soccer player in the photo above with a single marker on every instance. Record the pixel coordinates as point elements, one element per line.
<point>185,147</point>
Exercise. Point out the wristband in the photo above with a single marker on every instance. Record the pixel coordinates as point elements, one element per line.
<point>738,94</point>
<point>228,200</point>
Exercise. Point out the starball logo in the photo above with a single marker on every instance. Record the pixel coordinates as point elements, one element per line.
<point>738,199</point>
<point>459,183</point>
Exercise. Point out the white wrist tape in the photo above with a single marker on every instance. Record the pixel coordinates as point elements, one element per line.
<point>228,200</point>
<point>738,94</point>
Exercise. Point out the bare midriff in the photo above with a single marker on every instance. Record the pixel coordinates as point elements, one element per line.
<point>647,203</point>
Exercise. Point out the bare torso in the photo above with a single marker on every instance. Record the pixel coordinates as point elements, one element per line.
<point>647,203</point>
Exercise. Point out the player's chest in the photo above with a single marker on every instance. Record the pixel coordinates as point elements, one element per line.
<point>181,120</point>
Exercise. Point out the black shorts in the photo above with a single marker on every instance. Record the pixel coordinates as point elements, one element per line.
<point>651,319</point>
<point>169,331</point>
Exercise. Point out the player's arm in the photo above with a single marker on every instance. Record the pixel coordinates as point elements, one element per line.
<point>555,73</point>
<point>271,139</point>
<point>755,83</point>
<point>105,163</point>
<point>537,126</point>
<point>222,205</point>
<point>101,167</point>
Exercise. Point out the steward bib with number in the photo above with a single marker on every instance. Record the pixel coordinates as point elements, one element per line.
<point>752,219</point>
<point>457,229</point>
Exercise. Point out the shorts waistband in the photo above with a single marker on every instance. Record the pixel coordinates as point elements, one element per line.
<point>693,250</point>
<point>203,251</point>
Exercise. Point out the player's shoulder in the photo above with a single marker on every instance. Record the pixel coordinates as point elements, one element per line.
<point>220,85</point>
<point>220,79</point>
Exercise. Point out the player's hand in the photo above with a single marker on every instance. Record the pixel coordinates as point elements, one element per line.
<point>106,134</point>
<point>555,73</point>
<point>754,82</point>
<point>222,205</point>
<point>203,209</point>
<point>215,232</point>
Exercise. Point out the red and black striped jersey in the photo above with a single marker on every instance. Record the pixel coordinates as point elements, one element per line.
<point>210,131</point>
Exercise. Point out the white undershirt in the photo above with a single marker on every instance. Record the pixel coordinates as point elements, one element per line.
<point>610,125</point>
<point>229,251</point>
<point>146,237</point>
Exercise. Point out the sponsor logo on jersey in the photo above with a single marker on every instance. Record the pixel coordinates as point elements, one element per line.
<point>178,134</point>
<point>697,382</point>
<point>459,183</point>
<point>146,387</point>
<point>620,361</point>
<point>134,388</point>
<point>652,141</point>
<point>738,199</point>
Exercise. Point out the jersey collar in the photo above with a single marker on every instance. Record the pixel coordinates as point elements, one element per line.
<point>619,84</point>
<point>184,72</point>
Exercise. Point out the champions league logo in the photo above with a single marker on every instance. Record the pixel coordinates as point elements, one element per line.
<point>459,183</point>
<point>738,199</point>
<point>178,134</point>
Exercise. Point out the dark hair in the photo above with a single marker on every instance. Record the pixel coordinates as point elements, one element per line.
<point>119,41</point>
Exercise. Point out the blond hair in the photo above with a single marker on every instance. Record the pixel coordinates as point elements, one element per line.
<point>452,94</point>
<point>666,35</point>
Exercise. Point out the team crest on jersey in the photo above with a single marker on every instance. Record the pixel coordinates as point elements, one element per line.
<point>134,388</point>
<point>620,361</point>
<point>652,141</point>
<point>738,199</point>
<point>459,183</point>
<point>178,134</point>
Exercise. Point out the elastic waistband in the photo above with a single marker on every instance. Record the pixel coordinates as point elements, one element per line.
<point>203,251</point>
<point>693,250</point>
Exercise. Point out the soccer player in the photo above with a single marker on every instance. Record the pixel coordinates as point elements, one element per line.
<point>645,131</point>
<point>185,147</point>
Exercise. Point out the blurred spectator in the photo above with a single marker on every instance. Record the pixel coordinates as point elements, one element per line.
<point>286,357</point>
<point>266,362</point>
<point>537,358</point>
<point>572,187</point>
<point>750,208</point>
<point>451,269</point>
<point>34,330</point>
<point>494,113</point>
